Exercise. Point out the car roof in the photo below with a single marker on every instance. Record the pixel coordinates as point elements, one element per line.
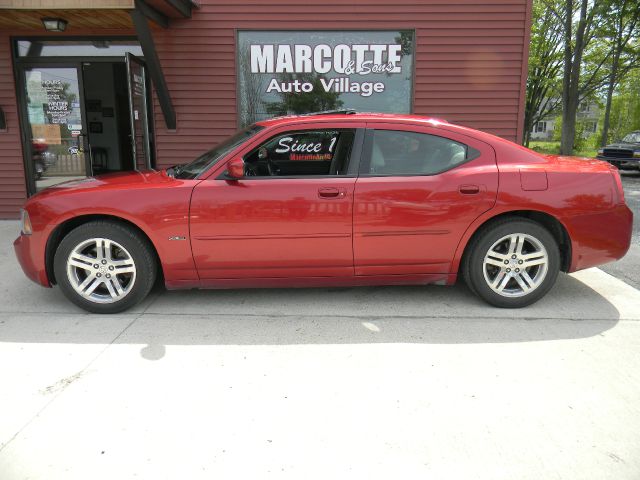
<point>349,116</point>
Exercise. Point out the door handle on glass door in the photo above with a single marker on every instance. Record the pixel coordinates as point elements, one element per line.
<point>331,192</point>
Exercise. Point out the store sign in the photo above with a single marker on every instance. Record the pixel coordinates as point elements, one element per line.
<point>342,59</point>
<point>302,72</point>
<point>58,108</point>
<point>52,103</point>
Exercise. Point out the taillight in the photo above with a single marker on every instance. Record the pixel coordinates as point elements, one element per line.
<point>618,182</point>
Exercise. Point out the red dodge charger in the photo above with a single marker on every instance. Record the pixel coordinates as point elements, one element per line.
<point>331,199</point>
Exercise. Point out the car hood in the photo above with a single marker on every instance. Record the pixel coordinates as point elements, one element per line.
<point>121,180</point>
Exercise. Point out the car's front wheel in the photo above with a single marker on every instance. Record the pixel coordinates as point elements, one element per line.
<point>105,267</point>
<point>512,263</point>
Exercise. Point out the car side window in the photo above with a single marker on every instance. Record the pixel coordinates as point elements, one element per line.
<point>302,153</point>
<point>396,152</point>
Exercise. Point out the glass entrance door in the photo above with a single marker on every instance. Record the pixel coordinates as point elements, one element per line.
<point>55,131</point>
<point>84,108</point>
<point>136,77</point>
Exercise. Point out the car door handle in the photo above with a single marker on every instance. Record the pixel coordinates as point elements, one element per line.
<point>469,189</point>
<point>331,192</point>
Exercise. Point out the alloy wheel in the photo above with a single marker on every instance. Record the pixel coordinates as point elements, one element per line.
<point>101,270</point>
<point>515,265</point>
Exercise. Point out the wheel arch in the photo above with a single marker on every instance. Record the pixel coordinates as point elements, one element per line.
<point>550,222</point>
<point>68,225</point>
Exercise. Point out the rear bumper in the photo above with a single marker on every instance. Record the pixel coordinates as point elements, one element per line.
<point>599,238</point>
<point>30,254</point>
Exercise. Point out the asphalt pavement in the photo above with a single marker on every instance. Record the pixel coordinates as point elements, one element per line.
<point>377,383</point>
<point>628,268</point>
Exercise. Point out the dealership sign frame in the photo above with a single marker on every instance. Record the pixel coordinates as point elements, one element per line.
<point>282,72</point>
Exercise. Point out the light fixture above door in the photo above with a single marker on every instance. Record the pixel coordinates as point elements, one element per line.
<point>54,24</point>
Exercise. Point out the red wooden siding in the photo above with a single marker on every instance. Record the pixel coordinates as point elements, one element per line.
<point>13,191</point>
<point>470,67</point>
<point>470,60</point>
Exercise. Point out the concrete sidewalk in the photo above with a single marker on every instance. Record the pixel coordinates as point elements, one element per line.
<point>385,382</point>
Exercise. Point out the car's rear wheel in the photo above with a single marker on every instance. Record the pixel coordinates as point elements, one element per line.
<point>105,267</point>
<point>512,263</point>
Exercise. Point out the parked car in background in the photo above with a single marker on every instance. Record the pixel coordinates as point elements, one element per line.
<point>624,154</point>
<point>331,199</point>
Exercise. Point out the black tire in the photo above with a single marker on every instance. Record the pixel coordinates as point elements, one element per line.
<point>473,268</point>
<point>139,249</point>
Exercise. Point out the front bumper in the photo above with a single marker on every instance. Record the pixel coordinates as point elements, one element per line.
<point>30,254</point>
<point>622,163</point>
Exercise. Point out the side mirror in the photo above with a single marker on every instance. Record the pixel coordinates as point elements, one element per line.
<point>235,168</point>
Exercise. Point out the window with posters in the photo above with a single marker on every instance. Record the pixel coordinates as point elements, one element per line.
<point>295,72</point>
<point>300,153</point>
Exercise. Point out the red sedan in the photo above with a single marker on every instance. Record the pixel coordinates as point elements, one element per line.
<point>335,199</point>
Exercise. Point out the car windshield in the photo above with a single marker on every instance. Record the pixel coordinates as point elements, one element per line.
<point>632,138</point>
<point>204,161</point>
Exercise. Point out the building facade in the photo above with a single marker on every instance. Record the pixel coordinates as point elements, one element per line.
<point>133,84</point>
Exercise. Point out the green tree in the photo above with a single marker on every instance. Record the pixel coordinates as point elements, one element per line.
<point>580,21</point>
<point>600,47</point>
<point>545,64</point>
<point>622,36</point>
<point>597,35</point>
<point>625,106</point>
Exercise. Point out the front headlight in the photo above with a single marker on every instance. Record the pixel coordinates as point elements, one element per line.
<point>25,223</point>
<point>636,154</point>
<point>600,151</point>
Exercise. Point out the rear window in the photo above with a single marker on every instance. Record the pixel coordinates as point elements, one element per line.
<point>394,152</point>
